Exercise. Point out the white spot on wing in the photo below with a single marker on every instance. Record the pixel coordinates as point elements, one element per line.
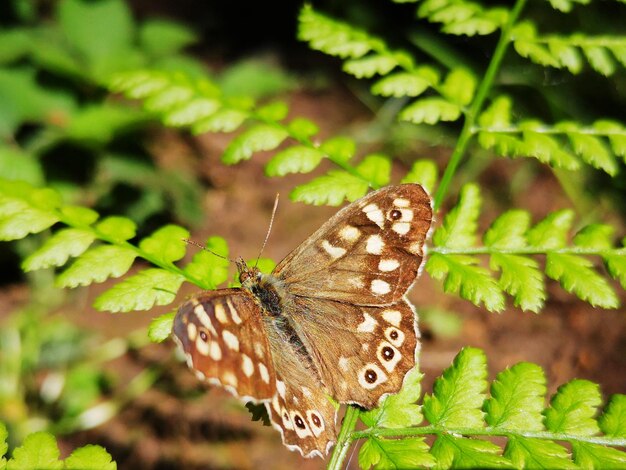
<point>312,416</point>
<point>401,202</point>
<point>204,318</point>
<point>280,386</point>
<point>375,214</point>
<point>367,325</point>
<point>192,331</point>
<point>380,376</point>
<point>202,346</point>
<point>387,265</point>
<point>350,233</point>
<point>389,364</point>
<point>356,281</point>
<point>215,351</point>
<point>380,287</point>
<point>374,245</point>
<point>334,251</point>
<point>231,340</point>
<point>395,336</point>
<point>392,316</point>
<point>401,228</point>
<point>233,312</point>
<point>306,392</point>
<point>220,314</point>
<point>265,375</point>
<point>343,363</point>
<point>247,365</point>
<point>229,379</point>
<point>258,350</point>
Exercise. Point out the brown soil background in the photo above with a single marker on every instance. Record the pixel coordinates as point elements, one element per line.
<point>212,430</point>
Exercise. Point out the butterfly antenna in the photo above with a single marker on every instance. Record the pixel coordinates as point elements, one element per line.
<point>269,230</point>
<point>191,242</point>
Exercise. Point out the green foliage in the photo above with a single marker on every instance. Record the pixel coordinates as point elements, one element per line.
<point>511,242</point>
<point>461,417</point>
<point>40,451</point>
<point>462,17</point>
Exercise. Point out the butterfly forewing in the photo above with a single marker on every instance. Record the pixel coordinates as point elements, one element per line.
<point>222,335</point>
<point>369,253</point>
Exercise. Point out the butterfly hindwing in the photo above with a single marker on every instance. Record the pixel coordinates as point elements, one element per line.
<point>369,253</point>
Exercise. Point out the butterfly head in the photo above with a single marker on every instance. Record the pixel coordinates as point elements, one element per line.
<point>247,275</point>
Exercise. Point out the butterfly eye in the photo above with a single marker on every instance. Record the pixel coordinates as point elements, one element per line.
<point>299,422</point>
<point>370,376</point>
<point>203,336</point>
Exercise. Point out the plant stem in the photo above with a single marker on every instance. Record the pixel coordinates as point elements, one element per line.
<point>477,104</point>
<point>553,436</point>
<point>345,439</point>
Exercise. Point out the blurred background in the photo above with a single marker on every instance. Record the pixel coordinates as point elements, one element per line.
<point>93,377</point>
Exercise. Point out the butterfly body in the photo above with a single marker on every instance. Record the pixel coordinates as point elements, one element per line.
<point>330,321</point>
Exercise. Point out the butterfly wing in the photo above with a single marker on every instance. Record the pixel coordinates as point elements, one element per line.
<point>369,253</point>
<point>228,342</point>
<point>361,353</point>
<point>222,335</point>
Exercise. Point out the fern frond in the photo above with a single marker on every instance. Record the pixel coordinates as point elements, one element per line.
<point>463,17</point>
<point>460,415</point>
<point>40,451</point>
<point>563,145</point>
<point>512,244</point>
<point>604,54</point>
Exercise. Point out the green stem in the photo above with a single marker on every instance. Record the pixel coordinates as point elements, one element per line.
<point>477,104</point>
<point>553,436</point>
<point>345,438</point>
<point>485,250</point>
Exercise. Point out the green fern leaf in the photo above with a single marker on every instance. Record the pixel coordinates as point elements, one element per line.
<point>613,420</point>
<point>191,111</point>
<point>566,5</point>
<point>66,243</point>
<point>459,225</point>
<point>96,265</point>
<point>455,452</point>
<point>589,148</point>
<point>302,129</point>
<point>161,327</point>
<point>536,453</point>
<point>39,451</point>
<point>374,64</point>
<point>90,457</point>
<point>208,268</point>
<point>517,396</point>
<point>522,279</point>
<point>224,120</point>
<point>462,276</point>
<point>333,37</point>
<point>545,148</point>
<point>567,55</point>
<point>551,232</point>
<point>595,236</point>
<point>142,291</point>
<point>77,215</point>
<point>298,159</point>
<point>600,60</point>
<point>166,245</point>
<point>594,456</point>
<point>256,139</point>
<point>576,275</point>
<point>616,134</point>
<point>402,84</point>
<point>399,410</point>
<point>117,229</point>
<point>19,219</point>
<point>275,111</point>
<point>459,393</point>
<point>573,408</point>
<point>375,168</point>
<point>430,111</point>
<point>508,230</point>
<point>424,172</point>
<point>331,189</point>
<point>168,98</point>
<point>340,149</point>
<point>616,265</point>
<point>390,454</point>
<point>459,87</point>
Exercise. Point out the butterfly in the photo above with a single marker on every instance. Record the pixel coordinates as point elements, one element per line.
<point>330,322</point>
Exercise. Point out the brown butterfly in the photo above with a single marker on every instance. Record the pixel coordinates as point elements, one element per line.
<point>331,321</point>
